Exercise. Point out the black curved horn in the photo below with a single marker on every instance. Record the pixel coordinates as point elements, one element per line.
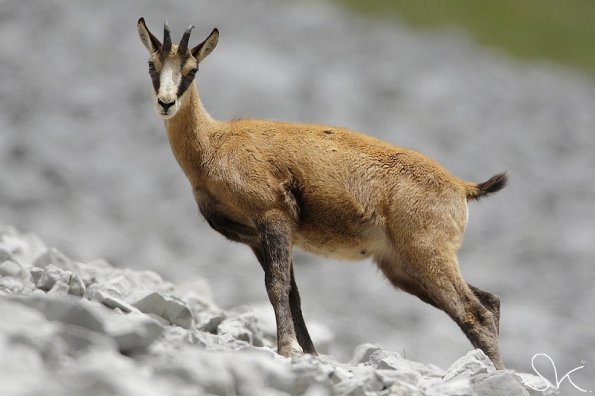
<point>166,38</point>
<point>183,47</point>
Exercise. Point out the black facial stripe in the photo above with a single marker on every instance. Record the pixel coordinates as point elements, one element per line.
<point>155,80</point>
<point>188,78</point>
<point>154,76</point>
<point>185,83</point>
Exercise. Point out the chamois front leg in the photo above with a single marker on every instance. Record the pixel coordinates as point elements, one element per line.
<point>299,324</point>
<point>274,254</point>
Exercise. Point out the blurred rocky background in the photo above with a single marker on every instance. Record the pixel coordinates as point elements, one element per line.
<point>85,163</point>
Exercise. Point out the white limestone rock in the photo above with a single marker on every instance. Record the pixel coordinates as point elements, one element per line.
<point>220,343</point>
<point>207,315</point>
<point>403,388</point>
<point>129,285</point>
<point>118,282</point>
<point>499,383</point>
<point>133,332</point>
<point>36,274</point>
<point>168,307</point>
<point>76,285</point>
<point>59,281</point>
<point>97,293</point>
<point>362,382</point>
<point>210,322</point>
<point>339,375</point>
<point>59,289</point>
<point>460,386</point>
<point>50,275</point>
<point>474,362</point>
<point>363,352</point>
<point>244,327</point>
<point>382,359</point>
<point>390,377</point>
<point>310,370</point>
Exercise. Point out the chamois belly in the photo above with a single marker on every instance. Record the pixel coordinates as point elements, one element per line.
<point>334,222</point>
<point>342,245</point>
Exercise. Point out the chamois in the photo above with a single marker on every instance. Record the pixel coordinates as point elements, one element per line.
<point>332,191</point>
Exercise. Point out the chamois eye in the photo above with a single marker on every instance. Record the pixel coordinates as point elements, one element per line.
<point>151,67</point>
<point>193,72</point>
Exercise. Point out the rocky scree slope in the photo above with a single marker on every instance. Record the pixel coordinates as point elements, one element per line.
<point>69,327</point>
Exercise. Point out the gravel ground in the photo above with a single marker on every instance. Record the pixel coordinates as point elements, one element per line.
<point>85,163</point>
<point>91,329</point>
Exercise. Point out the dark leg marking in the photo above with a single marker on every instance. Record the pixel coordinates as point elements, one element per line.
<point>476,321</point>
<point>303,336</point>
<point>275,258</point>
<point>490,301</point>
<point>478,325</point>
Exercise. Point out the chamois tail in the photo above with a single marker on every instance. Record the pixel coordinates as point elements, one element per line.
<point>493,184</point>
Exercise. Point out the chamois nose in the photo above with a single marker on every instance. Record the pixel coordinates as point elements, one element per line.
<point>166,104</point>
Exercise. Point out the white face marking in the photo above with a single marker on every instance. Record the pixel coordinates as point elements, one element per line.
<point>169,77</point>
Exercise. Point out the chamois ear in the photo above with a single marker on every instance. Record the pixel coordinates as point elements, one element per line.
<point>150,42</point>
<point>206,47</point>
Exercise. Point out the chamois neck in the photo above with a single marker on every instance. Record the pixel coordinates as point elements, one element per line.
<point>192,116</point>
<point>189,134</point>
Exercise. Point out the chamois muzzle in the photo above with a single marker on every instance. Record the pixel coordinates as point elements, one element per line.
<point>165,105</point>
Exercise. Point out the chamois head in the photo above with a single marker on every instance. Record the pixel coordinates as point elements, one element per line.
<point>172,67</point>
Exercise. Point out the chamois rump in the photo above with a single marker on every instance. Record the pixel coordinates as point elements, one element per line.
<point>332,191</point>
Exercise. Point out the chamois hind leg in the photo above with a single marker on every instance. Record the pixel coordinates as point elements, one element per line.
<point>274,254</point>
<point>435,278</point>
<point>400,280</point>
<point>302,334</point>
<point>490,301</point>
